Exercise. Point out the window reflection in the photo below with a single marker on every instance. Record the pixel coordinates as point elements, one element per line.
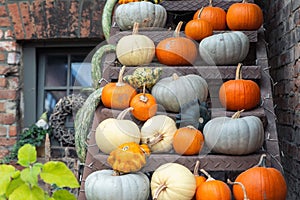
<point>51,99</point>
<point>80,72</point>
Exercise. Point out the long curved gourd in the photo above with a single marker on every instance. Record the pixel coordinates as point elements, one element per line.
<point>106,17</point>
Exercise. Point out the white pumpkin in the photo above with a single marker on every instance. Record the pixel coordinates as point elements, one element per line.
<point>234,136</point>
<point>145,13</point>
<point>173,181</point>
<point>175,91</point>
<point>157,132</point>
<point>111,133</point>
<point>135,49</point>
<point>105,185</point>
<point>224,48</point>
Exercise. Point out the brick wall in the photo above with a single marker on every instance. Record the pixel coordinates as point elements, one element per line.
<point>36,20</point>
<point>282,23</point>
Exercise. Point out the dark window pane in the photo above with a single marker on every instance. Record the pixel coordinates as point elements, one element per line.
<point>51,99</point>
<point>56,70</point>
<point>80,71</point>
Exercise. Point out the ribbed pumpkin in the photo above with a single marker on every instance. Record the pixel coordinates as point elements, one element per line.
<point>111,132</point>
<point>176,91</point>
<point>172,181</point>
<point>244,16</point>
<point>157,132</point>
<point>239,94</point>
<point>145,13</point>
<point>216,16</point>
<point>261,183</point>
<point>107,185</point>
<point>197,29</point>
<point>188,141</point>
<point>176,50</point>
<point>144,106</point>
<point>117,95</point>
<point>224,48</point>
<point>213,189</point>
<point>235,135</point>
<point>135,49</point>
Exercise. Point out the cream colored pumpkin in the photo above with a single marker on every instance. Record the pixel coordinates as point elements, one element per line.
<point>235,136</point>
<point>224,48</point>
<point>111,133</point>
<point>145,13</point>
<point>135,49</point>
<point>105,185</point>
<point>175,91</point>
<point>157,132</point>
<point>173,181</point>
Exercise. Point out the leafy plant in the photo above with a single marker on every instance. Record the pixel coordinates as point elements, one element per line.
<point>24,184</point>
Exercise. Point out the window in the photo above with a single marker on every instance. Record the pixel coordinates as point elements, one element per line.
<point>51,74</point>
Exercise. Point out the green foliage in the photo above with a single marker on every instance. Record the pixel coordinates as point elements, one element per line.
<point>24,184</point>
<point>34,135</point>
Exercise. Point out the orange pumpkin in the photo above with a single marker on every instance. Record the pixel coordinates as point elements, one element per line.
<point>239,94</point>
<point>199,179</point>
<point>127,1</point>
<point>117,95</point>
<point>216,16</point>
<point>213,189</point>
<point>261,183</point>
<point>176,50</point>
<point>244,16</point>
<point>144,106</point>
<point>188,141</point>
<point>198,29</point>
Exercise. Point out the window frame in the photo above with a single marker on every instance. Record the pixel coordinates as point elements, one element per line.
<point>31,51</point>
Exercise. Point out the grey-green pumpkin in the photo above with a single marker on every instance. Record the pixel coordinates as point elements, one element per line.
<point>145,13</point>
<point>224,48</point>
<point>175,91</point>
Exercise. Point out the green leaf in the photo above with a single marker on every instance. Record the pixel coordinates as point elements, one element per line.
<point>30,175</point>
<point>63,195</point>
<point>24,192</point>
<point>6,172</point>
<point>26,155</point>
<point>14,184</point>
<point>2,197</point>
<point>56,172</point>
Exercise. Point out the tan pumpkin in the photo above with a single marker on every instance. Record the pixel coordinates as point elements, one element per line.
<point>135,49</point>
<point>172,181</point>
<point>157,132</point>
<point>111,132</point>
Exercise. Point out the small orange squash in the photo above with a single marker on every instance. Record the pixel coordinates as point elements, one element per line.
<point>239,94</point>
<point>261,183</point>
<point>144,106</point>
<point>117,95</point>
<point>213,189</point>
<point>199,179</point>
<point>216,16</point>
<point>188,141</point>
<point>176,50</point>
<point>198,29</point>
<point>127,1</point>
<point>244,16</point>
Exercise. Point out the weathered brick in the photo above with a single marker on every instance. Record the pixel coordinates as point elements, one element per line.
<point>85,23</point>
<point>3,82</point>
<point>13,58</point>
<point>3,131</point>
<point>2,57</point>
<point>62,10</point>
<point>7,118</point>
<point>7,141</point>
<point>13,131</point>
<point>38,13</point>
<point>3,12</point>
<point>2,106</point>
<point>9,34</point>
<point>16,20</point>
<point>8,94</point>
<point>51,19</point>
<point>3,152</point>
<point>1,34</point>
<point>27,20</point>
<point>9,46</point>
<point>73,19</point>
<point>5,21</point>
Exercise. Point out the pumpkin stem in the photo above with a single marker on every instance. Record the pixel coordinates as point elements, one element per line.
<point>240,184</point>
<point>200,12</point>
<point>238,73</point>
<point>116,173</point>
<point>175,76</point>
<point>209,178</point>
<point>210,3</point>
<point>158,191</point>
<point>124,113</point>
<point>237,114</point>
<point>196,168</point>
<point>143,97</point>
<point>120,78</point>
<point>177,30</point>
<point>245,1</point>
<point>262,161</point>
<point>155,140</point>
<point>135,29</point>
